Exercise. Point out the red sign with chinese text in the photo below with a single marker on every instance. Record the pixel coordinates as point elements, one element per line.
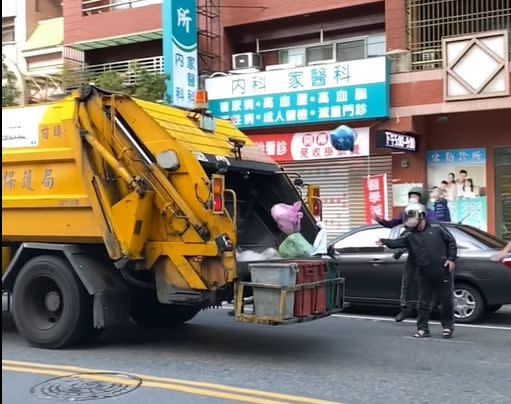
<point>375,196</point>
<point>309,145</point>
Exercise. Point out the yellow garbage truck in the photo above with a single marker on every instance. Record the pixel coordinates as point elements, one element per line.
<point>116,208</point>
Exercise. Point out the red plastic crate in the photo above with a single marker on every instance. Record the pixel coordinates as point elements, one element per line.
<point>310,301</point>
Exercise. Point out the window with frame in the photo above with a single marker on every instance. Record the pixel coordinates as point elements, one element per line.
<point>8,29</point>
<point>319,53</point>
<point>294,56</point>
<point>351,50</point>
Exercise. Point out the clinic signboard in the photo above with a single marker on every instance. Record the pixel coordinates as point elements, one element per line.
<point>306,146</point>
<point>180,51</point>
<point>336,92</point>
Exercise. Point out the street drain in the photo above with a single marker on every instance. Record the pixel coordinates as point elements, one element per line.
<point>86,386</point>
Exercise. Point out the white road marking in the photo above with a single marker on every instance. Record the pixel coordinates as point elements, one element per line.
<point>391,319</point>
<point>441,340</point>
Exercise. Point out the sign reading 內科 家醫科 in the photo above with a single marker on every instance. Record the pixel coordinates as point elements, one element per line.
<point>343,91</point>
<point>180,51</point>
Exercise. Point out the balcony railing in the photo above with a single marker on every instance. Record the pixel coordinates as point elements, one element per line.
<point>125,68</point>
<point>91,7</point>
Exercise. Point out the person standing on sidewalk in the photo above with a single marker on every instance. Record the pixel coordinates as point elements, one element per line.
<point>434,251</point>
<point>415,195</point>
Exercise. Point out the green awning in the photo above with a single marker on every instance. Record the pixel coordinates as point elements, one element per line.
<point>116,41</point>
<point>47,34</point>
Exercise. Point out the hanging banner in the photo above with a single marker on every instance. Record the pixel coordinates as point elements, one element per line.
<point>461,176</point>
<point>180,51</point>
<point>315,145</point>
<point>375,196</point>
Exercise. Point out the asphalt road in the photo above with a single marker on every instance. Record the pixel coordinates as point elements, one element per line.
<point>355,357</point>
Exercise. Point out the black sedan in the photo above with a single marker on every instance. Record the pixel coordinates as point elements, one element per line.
<point>373,275</point>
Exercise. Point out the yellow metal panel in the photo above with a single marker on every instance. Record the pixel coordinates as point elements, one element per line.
<point>6,258</point>
<point>50,225</point>
<point>131,217</point>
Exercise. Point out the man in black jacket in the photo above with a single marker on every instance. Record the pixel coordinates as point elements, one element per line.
<point>417,195</point>
<point>434,251</point>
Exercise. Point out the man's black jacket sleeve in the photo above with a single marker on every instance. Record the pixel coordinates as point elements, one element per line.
<point>452,248</point>
<point>400,242</point>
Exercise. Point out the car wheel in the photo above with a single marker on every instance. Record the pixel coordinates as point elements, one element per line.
<point>50,306</point>
<point>469,305</point>
<point>493,308</point>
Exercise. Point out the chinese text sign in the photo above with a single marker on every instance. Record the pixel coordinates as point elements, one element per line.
<point>375,196</point>
<point>343,91</point>
<point>180,51</point>
<point>309,145</point>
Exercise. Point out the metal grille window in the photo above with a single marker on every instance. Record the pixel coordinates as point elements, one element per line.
<point>431,20</point>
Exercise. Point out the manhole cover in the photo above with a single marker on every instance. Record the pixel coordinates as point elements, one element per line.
<point>86,386</point>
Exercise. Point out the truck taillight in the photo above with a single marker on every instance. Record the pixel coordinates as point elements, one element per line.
<point>507,262</point>
<point>313,200</point>
<point>217,194</point>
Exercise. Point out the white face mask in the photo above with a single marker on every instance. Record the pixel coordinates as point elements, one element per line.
<point>414,199</point>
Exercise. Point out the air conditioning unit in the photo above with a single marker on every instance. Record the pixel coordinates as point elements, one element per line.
<point>427,56</point>
<point>401,60</point>
<point>249,60</point>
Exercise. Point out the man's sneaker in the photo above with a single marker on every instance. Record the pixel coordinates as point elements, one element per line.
<point>402,315</point>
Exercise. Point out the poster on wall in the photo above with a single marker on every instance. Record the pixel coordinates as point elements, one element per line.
<point>461,176</point>
<point>375,196</point>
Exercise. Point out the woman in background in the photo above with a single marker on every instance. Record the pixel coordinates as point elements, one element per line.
<point>469,190</point>
<point>450,189</point>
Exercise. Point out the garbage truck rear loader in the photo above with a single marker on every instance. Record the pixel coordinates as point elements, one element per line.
<point>115,208</point>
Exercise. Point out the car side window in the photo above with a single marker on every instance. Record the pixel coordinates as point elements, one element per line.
<point>363,239</point>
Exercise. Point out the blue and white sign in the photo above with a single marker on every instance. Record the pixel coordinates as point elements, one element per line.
<point>456,157</point>
<point>180,51</point>
<point>345,91</point>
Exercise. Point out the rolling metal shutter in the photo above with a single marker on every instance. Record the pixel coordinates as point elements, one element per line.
<point>341,187</point>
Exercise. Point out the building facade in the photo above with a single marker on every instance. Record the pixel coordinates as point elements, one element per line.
<point>423,83</point>
<point>32,46</point>
<point>446,107</point>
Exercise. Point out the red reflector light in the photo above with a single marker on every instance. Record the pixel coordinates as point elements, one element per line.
<point>507,262</point>
<point>217,191</point>
<point>218,204</point>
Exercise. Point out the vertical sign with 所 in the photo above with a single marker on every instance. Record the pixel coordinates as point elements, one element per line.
<point>180,51</point>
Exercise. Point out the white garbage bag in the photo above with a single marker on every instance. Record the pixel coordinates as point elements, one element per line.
<point>320,243</point>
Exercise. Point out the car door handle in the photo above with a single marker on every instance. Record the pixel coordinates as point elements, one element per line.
<point>376,262</point>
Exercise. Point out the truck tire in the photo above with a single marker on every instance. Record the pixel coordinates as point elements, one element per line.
<point>148,312</point>
<point>50,306</point>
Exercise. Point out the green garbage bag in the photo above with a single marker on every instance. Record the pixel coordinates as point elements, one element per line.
<point>295,246</point>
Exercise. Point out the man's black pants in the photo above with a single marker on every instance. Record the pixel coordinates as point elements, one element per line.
<point>408,278</point>
<point>443,289</point>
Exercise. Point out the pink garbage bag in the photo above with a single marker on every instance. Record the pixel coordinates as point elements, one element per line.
<point>288,217</point>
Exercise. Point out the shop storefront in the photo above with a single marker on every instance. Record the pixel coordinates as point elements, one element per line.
<point>290,114</point>
<point>340,174</point>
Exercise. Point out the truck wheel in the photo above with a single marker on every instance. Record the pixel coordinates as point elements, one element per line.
<point>50,306</point>
<point>151,314</point>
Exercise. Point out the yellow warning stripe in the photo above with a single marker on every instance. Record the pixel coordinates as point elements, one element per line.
<point>184,386</point>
